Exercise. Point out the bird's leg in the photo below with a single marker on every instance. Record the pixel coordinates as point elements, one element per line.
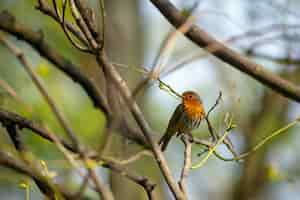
<point>178,134</point>
<point>190,136</point>
<point>183,137</point>
<point>186,135</point>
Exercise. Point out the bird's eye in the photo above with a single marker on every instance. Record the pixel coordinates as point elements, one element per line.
<point>190,96</point>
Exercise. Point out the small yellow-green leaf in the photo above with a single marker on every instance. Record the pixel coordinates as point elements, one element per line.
<point>91,164</point>
<point>273,173</point>
<point>43,69</point>
<point>23,185</point>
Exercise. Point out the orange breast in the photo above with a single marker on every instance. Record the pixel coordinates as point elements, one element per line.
<point>194,110</point>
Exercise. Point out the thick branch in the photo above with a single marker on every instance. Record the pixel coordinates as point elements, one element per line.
<point>242,63</point>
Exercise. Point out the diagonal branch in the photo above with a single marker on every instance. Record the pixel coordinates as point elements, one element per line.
<point>242,63</point>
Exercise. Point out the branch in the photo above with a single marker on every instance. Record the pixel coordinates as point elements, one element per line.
<point>212,150</point>
<point>203,39</point>
<point>141,121</point>
<point>82,188</point>
<point>86,14</point>
<point>47,10</point>
<point>257,32</point>
<point>15,137</point>
<point>262,142</point>
<point>115,77</point>
<point>161,57</point>
<point>213,133</point>
<point>36,40</point>
<point>103,191</point>
<point>61,20</point>
<point>41,87</point>
<point>6,116</point>
<point>140,180</point>
<point>187,164</point>
<point>82,24</point>
<point>46,185</point>
<point>12,118</point>
<point>14,134</point>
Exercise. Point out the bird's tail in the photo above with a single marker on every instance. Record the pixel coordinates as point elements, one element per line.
<point>164,141</point>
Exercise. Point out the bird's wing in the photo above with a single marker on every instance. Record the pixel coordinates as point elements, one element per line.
<point>174,121</point>
<point>172,127</point>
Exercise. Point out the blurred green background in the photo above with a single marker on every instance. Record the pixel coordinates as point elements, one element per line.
<point>135,31</point>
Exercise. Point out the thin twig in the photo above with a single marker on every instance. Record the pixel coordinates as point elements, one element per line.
<point>81,24</point>
<point>103,15</point>
<point>131,159</point>
<point>78,195</point>
<point>166,46</point>
<point>211,151</point>
<point>63,25</point>
<point>210,128</point>
<point>86,15</point>
<point>215,105</point>
<point>11,92</point>
<point>66,154</point>
<point>44,8</point>
<point>262,142</point>
<point>143,70</point>
<point>213,133</point>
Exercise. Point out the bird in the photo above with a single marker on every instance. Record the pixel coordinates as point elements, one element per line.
<point>186,117</point>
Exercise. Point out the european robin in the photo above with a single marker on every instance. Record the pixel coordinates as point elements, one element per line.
<point>185,118</point>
